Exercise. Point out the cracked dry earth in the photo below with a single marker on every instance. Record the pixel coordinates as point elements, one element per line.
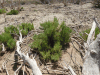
<point>77,16</point>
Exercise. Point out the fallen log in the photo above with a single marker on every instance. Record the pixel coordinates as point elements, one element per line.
<point>91,64</point>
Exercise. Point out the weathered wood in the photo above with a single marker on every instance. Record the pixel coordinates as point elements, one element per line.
<point>92,58</point>
<point>32,63</point>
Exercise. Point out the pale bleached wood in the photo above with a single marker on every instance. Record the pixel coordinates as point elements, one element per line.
<point>32,63</point>
<point>3,47</point>
<point>70,68</point>
<point>91,34</point>
<point>91,64</point>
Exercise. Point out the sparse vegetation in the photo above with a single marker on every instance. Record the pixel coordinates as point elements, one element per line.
<point>84,35</point>
<point>7,40</point>
<point>21,8</point>
<point>2,11</point>
<point>26,27</point>
<point>13,12</point>
<point>50,42</point>
<point>12,30</point>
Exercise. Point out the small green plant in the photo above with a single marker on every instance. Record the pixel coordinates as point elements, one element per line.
<point>26,27</point>
<point>35,10</point>
<point>4,37</point>
<point>50,42</point>
<point>84,35</point>
<point>96,3</point>
<point>7,40</point>
<point>2,11</point>
<point>21,8</point>
<point>13,12</point>
<point>12,30</point>
<point>11,44</point>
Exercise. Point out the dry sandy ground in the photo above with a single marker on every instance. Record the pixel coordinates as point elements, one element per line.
<point>73,15</point>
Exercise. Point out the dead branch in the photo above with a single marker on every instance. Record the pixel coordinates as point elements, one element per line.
<point>70,68</point>
<point>91,34</point>
<point>26,59</point>
<point>92,57</point>
<point>3,47</point>
<point>77,49</point>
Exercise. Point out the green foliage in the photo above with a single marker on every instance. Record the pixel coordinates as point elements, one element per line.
<point>4,37</point>
<point>21,8</point>
<point>8,36</point>
<point>26,27</point>
<point>65,34</point>
<point>97,31</point>
<point>2,11</point>
<point>11,43</point>
<point>1,47</point>
<point>13,12</point>
<point>7,40</point>
<point>50,42</point>
<point>11,29</point>
<point>96,3</point>
<point>84,35</point>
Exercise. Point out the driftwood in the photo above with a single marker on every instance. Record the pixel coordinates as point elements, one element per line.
<point>32,63</point>
<point>92,57</point>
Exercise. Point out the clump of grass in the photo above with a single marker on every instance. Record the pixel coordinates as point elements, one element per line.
<point>2,11</point>
<point>52,40</point>
<point>84,35</point>
<point>13,12</point>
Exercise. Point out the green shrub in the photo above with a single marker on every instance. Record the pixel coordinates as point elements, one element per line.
<point>11,44</point>
<point>13,12</point>
<point>50,42</point>
<point>96,3</point>
<point>65,34</point>
<point>84,35</point>
<point>26,27</point>
<point>4,37</point>
<point>7,40</point>
<point>11,29</point>
<point>2,11</point>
